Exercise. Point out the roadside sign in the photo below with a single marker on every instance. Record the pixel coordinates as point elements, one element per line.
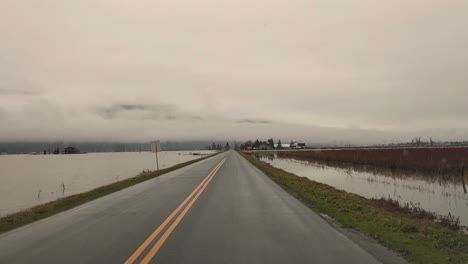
<point>155,146</point>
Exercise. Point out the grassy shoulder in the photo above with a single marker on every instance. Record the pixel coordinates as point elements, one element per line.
<point>42,211</point>
<point>420,240</point>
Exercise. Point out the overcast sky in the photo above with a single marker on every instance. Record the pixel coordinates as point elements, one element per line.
<point>353,71</point>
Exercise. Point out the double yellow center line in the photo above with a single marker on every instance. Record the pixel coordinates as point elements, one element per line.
<point>195,194</point>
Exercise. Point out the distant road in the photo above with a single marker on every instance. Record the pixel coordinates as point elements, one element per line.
<point>220,210</point>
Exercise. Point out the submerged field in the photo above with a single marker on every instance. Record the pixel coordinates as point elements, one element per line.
<point>42,211</point>
<point>442,196</point>
<point>46,178</point>
<point>410,232</point>
<point>431,160</point>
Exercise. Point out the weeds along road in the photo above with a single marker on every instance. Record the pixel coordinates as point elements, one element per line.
<point>219,210</point>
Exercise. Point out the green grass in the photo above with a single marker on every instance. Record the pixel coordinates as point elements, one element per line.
<point>42,211</point>
<point>418,239</point>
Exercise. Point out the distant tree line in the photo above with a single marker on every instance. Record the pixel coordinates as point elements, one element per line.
<point>268,144</point>
<point>257,144</point>
<point>218,147</point>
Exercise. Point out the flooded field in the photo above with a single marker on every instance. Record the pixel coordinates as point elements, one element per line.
<point>28,180</point>
<point>442,196</point>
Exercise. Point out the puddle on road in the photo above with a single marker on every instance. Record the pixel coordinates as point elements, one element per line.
<point>433,194</point>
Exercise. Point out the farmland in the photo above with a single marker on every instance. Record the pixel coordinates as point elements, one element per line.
<point>438,160</point>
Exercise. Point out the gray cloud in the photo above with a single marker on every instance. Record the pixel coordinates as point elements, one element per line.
<point>11,91</point>
<point>250,121</point>
<point>133,107</point>
<point>320,70</point>
<point>145,111</point>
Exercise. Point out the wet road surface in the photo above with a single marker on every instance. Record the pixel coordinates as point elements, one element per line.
<point>220,210</point>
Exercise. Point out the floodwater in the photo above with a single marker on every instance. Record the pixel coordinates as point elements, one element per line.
<point>29,180</point>
<point>440,196</point>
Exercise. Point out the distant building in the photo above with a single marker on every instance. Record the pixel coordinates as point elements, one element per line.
<point>294,145</point>
<point>283,145</point>
<point>71,150</point>
<point>297,145</point>
<point>264,146</point>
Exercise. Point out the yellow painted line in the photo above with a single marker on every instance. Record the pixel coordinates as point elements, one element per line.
<point>145,244</point>
<point>171,228</point>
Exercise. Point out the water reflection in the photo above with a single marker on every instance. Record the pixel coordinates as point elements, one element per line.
<point>441,195</point>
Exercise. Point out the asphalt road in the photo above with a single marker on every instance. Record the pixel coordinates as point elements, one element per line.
<point>236,215</point>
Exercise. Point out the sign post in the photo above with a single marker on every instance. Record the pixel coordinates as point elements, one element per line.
<point>156,147</point>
